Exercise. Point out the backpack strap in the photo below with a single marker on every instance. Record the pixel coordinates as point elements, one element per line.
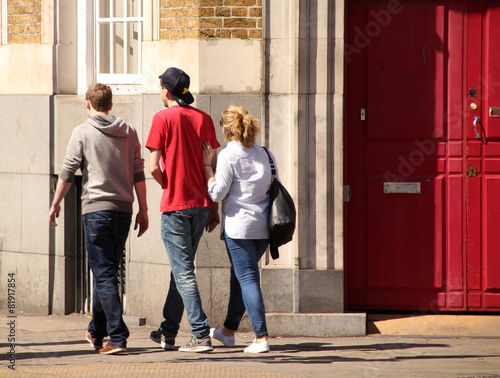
<point>271,162</point>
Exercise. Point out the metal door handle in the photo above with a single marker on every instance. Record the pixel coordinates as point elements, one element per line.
<point>494,112</point>
<point>474,123</point>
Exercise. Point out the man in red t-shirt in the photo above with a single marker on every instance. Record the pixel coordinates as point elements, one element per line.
<point>176,162</point>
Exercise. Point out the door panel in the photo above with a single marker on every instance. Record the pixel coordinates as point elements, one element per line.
<point>483,153</point>
<point>491,77</point>
<point>421,264</point>
<point>492,234</point>
<point>402,246</point>
<point>405,68</point>
<point>475,156</point>
<point>422,79</point>
<point>490,256</point>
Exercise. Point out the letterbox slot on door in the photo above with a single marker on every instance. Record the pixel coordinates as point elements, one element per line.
<point>402,187</point>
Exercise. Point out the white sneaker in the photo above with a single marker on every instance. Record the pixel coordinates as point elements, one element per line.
<point>262,347</point>
<point>218,335</point>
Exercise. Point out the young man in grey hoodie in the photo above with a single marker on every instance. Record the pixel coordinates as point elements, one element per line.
<point>108,152</point>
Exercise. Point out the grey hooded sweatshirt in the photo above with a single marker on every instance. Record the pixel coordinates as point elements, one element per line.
<point>107,151</point>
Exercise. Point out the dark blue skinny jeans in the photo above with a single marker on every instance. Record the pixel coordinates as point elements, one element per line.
<point>245,284</point>
<point>105,236</point>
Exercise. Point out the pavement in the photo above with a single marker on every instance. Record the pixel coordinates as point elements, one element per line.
<point>55,346</point>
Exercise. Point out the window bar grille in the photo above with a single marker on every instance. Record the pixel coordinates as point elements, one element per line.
<point>125,37</point>
<point>113,22</point>
<point>80,253</point>
<point>111,37</point>
<point>97,52</point>
<point>139,40</point>
<point>122,279</point>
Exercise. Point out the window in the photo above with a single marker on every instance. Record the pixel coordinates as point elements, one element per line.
<point>3,22</point>
<point>118,31</point>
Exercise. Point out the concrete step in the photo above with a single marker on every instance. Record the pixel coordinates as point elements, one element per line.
<point>482,325</point>
<point>316,324</point>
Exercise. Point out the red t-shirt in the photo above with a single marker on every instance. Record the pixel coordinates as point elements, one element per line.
<point>179,132</point>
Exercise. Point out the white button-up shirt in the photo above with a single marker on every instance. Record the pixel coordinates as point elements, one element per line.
<point>242,179</point>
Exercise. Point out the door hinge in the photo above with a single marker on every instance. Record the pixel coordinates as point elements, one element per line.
<point>347,193</point>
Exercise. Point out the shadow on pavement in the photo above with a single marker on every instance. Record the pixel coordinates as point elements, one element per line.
<point>309,354</point>
<point>321,347</point>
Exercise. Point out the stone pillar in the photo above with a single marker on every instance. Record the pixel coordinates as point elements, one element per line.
<point>304,111</point>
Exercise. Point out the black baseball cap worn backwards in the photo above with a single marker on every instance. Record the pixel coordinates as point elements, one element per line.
<point>176,81</point>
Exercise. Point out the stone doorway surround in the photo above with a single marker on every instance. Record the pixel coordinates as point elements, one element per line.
<point>304,88</point>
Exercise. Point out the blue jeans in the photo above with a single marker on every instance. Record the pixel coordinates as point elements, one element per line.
<point>105,236</point>
<point>245,284</point>
<point>181,232</point>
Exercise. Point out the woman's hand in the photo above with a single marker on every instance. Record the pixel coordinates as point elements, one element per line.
<point>207,153</point>
<point>208,161</point>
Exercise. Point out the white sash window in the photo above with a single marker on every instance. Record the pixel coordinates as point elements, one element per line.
<point>118,31</point>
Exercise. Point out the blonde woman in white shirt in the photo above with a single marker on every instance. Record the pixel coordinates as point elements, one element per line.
<point>241,182</point>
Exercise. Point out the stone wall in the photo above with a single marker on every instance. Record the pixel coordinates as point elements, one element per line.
<point>24,21</point>
<point>184,19</point>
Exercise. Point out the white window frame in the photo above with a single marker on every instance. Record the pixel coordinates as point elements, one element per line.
<point>113,78</point>
<point>3,23</point>
<point>88,46</point>
<point>85,43</point>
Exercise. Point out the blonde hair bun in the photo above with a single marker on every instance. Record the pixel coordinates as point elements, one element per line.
<point>239,125</point>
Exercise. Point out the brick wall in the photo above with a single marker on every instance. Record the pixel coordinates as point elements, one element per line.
<point>182,19</point>
<point>24,21</point>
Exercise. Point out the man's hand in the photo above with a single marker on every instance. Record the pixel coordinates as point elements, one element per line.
<point>54,213</point>
<point>61,190</point>
<point>141,221</point>
<point>213,218</point>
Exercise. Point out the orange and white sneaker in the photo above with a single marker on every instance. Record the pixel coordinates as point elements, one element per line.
<point>96,343</point>
<point>111,349</point>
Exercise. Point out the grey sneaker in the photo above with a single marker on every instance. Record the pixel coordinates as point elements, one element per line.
<point>203,344</point>
<point>158,337</point>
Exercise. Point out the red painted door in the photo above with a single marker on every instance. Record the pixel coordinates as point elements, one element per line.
<point>421,226</point>
<point>483,157</point>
